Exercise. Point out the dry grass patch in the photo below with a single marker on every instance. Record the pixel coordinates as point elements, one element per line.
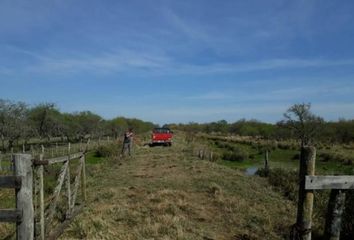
<point>164,193</point>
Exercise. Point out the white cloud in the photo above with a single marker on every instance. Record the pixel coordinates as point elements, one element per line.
<point>268,64</point>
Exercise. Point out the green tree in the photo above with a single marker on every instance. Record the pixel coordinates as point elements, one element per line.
<point>117,126</point>
<point>45,119</point>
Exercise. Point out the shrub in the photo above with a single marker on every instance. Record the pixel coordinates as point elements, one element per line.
<point>239,155</point>
<point>296,156</point>
<point>107,150</point>
<point>284,146</point>
<point>325,157</point>
<point>284,180</point>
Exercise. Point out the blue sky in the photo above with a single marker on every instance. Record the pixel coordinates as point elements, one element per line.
<point>180,61</point>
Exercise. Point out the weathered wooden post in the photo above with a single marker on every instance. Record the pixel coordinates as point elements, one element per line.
<point>200,154</point>
<point>23,168</point>
<point>41,199</point>
<point>68,189</point>
<point>23,148</point>
<point>266,162</point>
<point>305,204</point>
<point>211,156</point>
<point>42,149</point>
<point>80,145</point>
<point>83,177</point>
<point>336,206</point>
<point>88,144</point>
<point>12,167</point>
<point>32,151</point>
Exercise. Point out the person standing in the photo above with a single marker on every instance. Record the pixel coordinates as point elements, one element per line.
<point>128,142</point>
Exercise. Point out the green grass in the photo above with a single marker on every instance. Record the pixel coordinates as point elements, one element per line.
<point>92,158</point>
<point>284,158</point>
<point>166,193</point>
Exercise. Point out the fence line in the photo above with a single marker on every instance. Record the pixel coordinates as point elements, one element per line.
<point>32,217</point>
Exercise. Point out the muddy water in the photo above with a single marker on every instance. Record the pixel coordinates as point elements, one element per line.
<point>251,171</point>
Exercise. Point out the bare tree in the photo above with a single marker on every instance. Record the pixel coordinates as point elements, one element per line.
<point>303,123</point>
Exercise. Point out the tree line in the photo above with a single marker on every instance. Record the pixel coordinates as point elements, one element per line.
<point>19,121</point>
<point>298,123</point>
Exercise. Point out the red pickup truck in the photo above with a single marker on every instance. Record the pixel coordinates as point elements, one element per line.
<point>161,136</point>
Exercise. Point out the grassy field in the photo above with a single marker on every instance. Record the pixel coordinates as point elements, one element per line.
<point>165,193</point>
<point>289,158</point>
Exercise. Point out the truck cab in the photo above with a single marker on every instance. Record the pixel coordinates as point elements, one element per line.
<point>161,136</point>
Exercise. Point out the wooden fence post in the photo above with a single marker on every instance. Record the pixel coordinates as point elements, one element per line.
<point>88,144</point>
<point>266,160</point>
<point>41,200</point>
<point>266,163</point>
<point>83,178</point>
<point>336,207</point>
<point>68,189</point>
<point>12,166</point>
<point>211,157</point>
<point>81,145</point>
<point>200,155</point>
<point>32,151</point>
<point>23,168</point>
<point>305,204</point>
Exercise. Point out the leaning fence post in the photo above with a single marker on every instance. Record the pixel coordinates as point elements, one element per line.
<point>23,168</point>
<point>305,204</point>
<point>336,207</point>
